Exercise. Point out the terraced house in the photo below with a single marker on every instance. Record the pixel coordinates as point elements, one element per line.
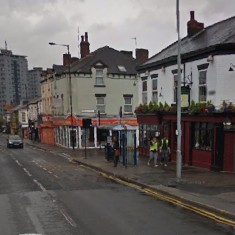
<point>103,91</point>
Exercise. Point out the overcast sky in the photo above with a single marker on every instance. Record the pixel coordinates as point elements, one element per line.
<point>28,25</point>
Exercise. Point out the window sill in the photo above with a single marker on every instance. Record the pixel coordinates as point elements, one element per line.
<point>99,86</point>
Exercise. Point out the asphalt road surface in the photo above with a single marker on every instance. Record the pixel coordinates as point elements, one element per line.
<point>43,193</point>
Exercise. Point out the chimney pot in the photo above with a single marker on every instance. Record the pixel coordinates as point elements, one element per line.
<point>192,15</point>
<point>86,37</point>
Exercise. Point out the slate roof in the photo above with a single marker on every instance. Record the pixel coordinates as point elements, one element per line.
<point>220,33</point>
<point>111,59</point>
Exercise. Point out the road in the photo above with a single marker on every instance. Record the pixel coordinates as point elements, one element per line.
<point>43,193</point>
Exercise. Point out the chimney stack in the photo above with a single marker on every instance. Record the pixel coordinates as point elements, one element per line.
<point>194,26</point>
<point>66,59</point>
<point>142,56</point>
<point>84,46</point>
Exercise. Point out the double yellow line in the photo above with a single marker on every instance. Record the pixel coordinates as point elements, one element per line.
<point>174,201</point>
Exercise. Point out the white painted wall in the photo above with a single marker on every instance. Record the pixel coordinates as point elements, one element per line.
<point>219,79</point>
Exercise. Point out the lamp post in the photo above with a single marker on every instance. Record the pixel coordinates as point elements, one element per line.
<point>179,157</point>
<point>70,87</point>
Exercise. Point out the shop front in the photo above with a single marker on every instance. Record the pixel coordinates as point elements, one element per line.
<point>206,141</point>
<point>66,132</point>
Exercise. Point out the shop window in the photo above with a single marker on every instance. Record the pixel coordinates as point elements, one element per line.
<point>146,132</point>
<point>203,136</point>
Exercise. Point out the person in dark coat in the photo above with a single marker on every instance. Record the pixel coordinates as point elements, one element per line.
<point>116,151</point>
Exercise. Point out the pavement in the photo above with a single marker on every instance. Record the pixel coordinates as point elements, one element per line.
<point>209,193</point>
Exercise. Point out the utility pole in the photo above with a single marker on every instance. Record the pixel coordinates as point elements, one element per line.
<point>179,157</point>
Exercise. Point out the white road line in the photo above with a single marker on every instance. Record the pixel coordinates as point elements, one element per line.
<point>65,154</point>
<point>56,176</point>
<point>39,185</point>
<point>68,218</point>
<point>50,172</point>
<point>18,163</point>
<point>27,172</point>
<point>45,169</point>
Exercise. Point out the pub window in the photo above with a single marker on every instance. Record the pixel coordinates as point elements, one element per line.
<point>154,91</point>
<point>146,132</point>
<point>202,86</point>
<point>203,136</point>
<point>144,92</point>
<point>175,87</point>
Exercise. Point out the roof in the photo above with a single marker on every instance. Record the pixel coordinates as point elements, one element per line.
<point>110,58</point>
<point>220,33</point>
<point>59,69</point>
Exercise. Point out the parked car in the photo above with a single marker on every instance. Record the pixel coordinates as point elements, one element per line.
<point>14,141</point>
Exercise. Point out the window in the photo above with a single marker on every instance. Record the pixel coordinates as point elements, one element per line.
<point>175,87</point>
<point>121,68</point>
<point>99,80</point>
<point>154,90</point>
<point>23,117</point>
<point>144,92</point>
<point>202,86</point>
<point>203,136</point>
<point>146,132</point>
<point>127,104</point>
<point>100,105</point>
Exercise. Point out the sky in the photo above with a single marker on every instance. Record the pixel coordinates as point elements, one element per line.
<point>27,26</point>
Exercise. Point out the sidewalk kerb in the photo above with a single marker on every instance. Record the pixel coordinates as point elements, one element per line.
<point>211,209</point>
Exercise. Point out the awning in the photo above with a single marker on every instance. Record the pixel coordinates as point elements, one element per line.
<point>118,127</point>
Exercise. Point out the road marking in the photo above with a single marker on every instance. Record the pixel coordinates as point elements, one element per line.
<point>30,234</point>
<point>169,199</point>
<point>27,172</point>
<point>39,185</point>
<point>18,162</point>
<point>68,218</point>
<point>56,176</point>
<point>65,154</point>
<point>45,169</point>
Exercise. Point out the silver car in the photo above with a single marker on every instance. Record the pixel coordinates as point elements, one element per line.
<point>14,141</point>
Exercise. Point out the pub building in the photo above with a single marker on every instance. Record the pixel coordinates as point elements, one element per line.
<point>207,96</point>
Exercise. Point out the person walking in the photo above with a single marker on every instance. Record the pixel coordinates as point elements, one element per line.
<point>165,150</point>
<point>116,149</point>
<point>153,151</point>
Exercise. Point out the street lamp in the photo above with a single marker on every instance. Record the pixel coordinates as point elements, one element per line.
<point>70,87</point>
<point>179,157</point>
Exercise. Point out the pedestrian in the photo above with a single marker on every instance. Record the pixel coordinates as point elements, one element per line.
<point>165,150</point>
<point>153,149</point>
<point>116,149</point>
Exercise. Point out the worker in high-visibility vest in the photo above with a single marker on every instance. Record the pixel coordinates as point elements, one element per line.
<point>165,150</point>
<point>153,151</point>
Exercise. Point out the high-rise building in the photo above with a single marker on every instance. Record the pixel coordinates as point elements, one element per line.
<point>34,78</point>
<point>13,79</point>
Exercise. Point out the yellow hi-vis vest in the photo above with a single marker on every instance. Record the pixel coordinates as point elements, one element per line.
<point>153,147</point>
